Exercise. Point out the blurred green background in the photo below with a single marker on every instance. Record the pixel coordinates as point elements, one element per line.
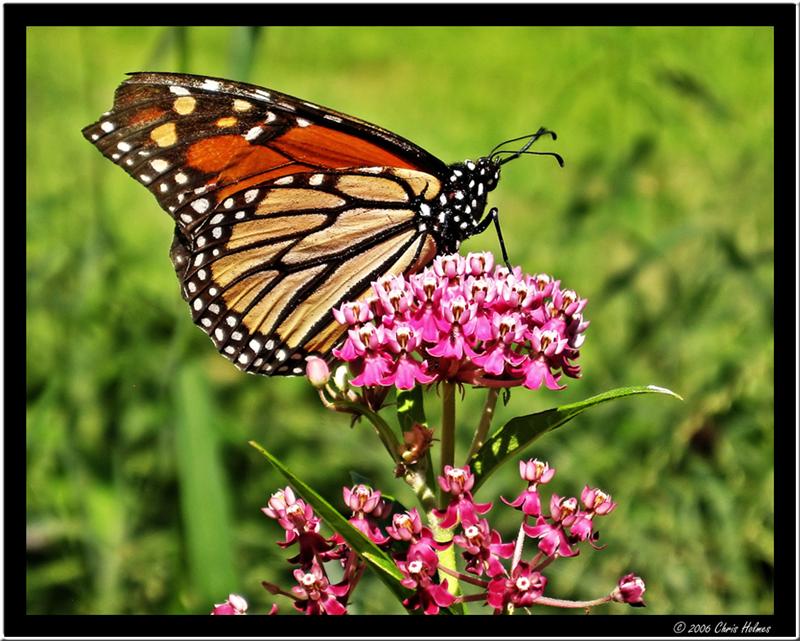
<point>142,494</point>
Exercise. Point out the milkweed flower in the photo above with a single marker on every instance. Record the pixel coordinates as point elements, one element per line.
<point>630,589</point>
<point>314,594</point>
<point>534,471</point>
<point>521,589</point>
<point>464,320</point>
<point>234,605</point>
<point>458,481</point>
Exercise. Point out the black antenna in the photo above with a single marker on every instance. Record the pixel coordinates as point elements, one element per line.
<point>492,216</point>
<point>532,138</point>
<point>516,154</point>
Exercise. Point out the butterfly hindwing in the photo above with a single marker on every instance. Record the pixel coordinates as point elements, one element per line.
<point>264,268</point>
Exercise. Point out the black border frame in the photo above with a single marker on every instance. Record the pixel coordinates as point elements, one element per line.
<point>781,17</point>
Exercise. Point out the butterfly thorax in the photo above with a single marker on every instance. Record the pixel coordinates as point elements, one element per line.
<point>461,204</point>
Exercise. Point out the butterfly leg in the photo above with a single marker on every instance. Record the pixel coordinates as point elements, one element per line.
<point>493,217</point>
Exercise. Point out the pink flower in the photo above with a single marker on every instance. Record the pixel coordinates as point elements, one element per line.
<point>630,589</point>
<point>363,501</point>
<point>464,320</point>
<point>521,589</point>
<point>301,526</point>
<point>597,501</point>
<point>314,594</point>
<point>405,371</point>
<point>458,481</point>
<point>317,372</point>
<point>418,576</point>
<point>482,547</point>
<point>353,314</point>
<point>535,472</point>
<point>552,539</point>
<point>234,605</point>
<point>408,527</point>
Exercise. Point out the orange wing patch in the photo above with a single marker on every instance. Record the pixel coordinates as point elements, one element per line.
<point>330,148</point>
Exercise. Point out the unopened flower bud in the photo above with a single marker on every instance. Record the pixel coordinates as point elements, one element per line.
<point>629,590</point>
<point>317,372</point>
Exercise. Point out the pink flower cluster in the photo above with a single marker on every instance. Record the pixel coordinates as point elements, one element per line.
<point>464,320</point>
<point>415,550</point>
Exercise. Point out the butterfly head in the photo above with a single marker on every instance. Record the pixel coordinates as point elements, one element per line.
<point>468,185</point>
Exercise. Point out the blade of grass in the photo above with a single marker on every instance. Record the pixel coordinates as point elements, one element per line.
<point>205,499</point>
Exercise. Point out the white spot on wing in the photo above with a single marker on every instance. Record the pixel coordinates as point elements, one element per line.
<point>200,205</point>
<point>159,164</point>
<point>179,91</point>
<point>254,133</point>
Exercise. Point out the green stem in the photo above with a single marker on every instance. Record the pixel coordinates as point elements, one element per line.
<point>448,443</point>
<point>486,421</point>
<point>425,495</point>
<point>447,557</point>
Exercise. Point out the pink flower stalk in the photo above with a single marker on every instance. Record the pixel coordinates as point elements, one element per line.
<point>630,589</point>
<point>314,594</point>
<point>234,605</point>
<point>521,589</point>
<point>463,319</point>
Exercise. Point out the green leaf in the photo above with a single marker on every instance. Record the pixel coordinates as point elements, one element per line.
<point>385,568</point>
<point>410,407</point>
<point>521,431</point>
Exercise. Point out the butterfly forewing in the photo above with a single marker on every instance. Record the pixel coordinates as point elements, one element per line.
<point>283,209</point>
<point>187,138</point>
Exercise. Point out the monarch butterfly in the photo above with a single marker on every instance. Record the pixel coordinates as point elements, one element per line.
<point>284,209</point>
